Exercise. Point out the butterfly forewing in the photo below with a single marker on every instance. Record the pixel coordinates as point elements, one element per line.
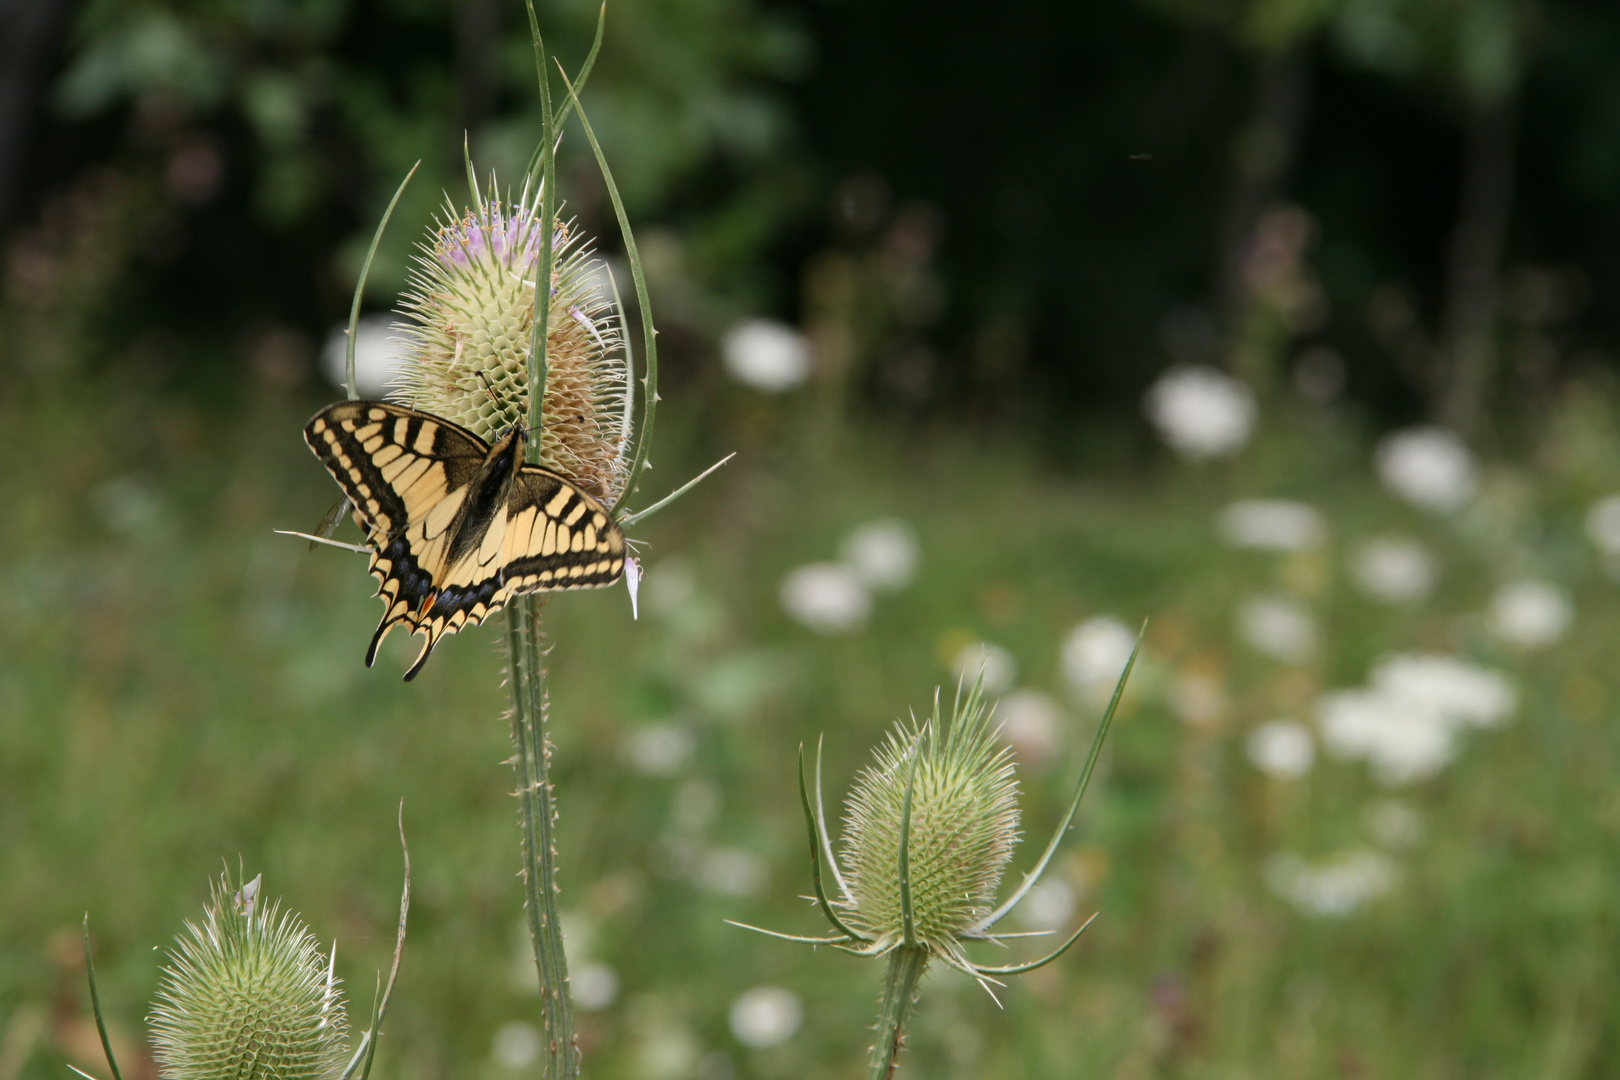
<point>452,540</point>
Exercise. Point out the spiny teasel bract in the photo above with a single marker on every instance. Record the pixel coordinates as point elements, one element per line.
<point>248,995</point>
<point>471,298</point>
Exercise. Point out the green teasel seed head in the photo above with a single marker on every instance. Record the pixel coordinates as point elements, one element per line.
<point>248,995</point>
<point>963,826</point>
<point>471,301</point>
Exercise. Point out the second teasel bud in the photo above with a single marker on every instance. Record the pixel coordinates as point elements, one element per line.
<point>963,826</point>
<point>248,995</point>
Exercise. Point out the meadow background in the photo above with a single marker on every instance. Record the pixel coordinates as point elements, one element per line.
<point>1288,325</point>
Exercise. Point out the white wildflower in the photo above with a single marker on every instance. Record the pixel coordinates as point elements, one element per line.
<point>1429,467</point>
<point>1282,748</point>
<point>1198,698</point>
<point>1531,614</point>
<point>826,597</point>
<point>999,667</point>
<point>1453,689</point>
<point>882,553</point>
<point>1395,569</point>
<point>1030,720</point>
<point>1279,627</point>
<point>731,871</point>
<point>1270,525</point>
<point>1094,655</point>
<point>516,1045</point>
<point>1201,412</point>
<point>766,1016</point>
<point>1407,722</point>
<point>766,355</point>
<point>379,355</point>
<point>595,985</point>
<point>1603,525</point>
<point>659,749</point>
<point>1334,888</point>
<point>1049,905</point>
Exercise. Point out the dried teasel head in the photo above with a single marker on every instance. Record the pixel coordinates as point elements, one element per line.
<point>471,299</point>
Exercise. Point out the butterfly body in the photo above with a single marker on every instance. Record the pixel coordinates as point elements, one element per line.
<point>458,527</point>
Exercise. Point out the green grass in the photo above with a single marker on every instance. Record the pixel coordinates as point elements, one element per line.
<point>179,686</point>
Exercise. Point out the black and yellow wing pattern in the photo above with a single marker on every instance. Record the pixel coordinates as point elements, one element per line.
<point>458,527</point>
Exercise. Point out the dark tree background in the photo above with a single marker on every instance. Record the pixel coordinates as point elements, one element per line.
<point>1070,192</point>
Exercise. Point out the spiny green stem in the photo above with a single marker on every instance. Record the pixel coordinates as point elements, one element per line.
<point>906,965</point>
<point>526,655</point>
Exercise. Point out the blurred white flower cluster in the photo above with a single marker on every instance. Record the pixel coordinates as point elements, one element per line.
<point>1395,569</point>
<point>1271,525</point>
<point>1094,655</point>
<point>1278,626</point>
<point>1282,748</point>
<point>766,1016</point>
<point>1406,722</point>
<point>1201,412</point>
<point>1603,526</point>
<point>1334,888</point>
<point>1429,467</point>
<point>379,355</point>
<point>997,666</point>
<point>766,355</point>
<point>836,597</point>
<point>1530,614</point>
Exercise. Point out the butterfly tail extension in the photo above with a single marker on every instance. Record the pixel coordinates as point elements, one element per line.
<point>434,630</point>
<point>393,617</point>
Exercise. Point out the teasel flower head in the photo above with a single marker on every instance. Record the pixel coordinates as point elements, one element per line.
<point>949,790</point>
<point>929,829</point>
<point>471,301</point>
<point>248,995</point>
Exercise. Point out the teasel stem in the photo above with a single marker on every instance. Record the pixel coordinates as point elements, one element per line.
<point>906,966</point>
<point>525,638</point>
<point>526,652</point>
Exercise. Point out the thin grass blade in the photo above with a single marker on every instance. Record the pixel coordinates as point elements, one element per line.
<point>95,1004</point>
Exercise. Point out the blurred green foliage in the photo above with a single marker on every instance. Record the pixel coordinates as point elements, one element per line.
<point>182,686</point>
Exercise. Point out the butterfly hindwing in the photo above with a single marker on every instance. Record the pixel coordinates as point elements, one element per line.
<point>559,537</point>
<point>457,527</point>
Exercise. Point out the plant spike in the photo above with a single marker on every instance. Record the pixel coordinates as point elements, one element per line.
<point>817,846</point>
<point>649,407</point>
<point>1019,969</point>
<point>360,283</point>
<point>1034,875</point>
<point>907,915</point>
<point>821,824</point>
